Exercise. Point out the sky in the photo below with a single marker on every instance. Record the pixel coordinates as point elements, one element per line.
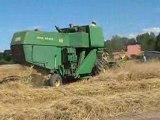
<point>116,17</point>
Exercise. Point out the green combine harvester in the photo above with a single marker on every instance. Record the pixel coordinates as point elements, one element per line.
<point>73,52</point>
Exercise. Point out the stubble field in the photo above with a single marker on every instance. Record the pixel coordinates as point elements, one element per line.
<point>131,88</point>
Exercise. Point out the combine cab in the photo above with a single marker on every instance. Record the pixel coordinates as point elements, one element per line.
<point>69,53</point>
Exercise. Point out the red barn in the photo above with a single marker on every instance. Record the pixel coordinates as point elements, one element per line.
<point>133,50</point>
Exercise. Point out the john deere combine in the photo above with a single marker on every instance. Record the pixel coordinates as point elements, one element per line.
<point>70,52</point>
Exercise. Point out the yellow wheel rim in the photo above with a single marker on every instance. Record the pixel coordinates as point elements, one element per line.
<point>105,56</point>
<point>105,69</point>
<point>57,83</point>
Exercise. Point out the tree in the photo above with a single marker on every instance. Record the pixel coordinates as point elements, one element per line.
<point>1,55</point>
<point>147,41</point>
<point>157,43</point>
<point>117,43</point>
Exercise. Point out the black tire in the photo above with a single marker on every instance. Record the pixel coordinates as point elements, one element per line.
<point>55,80</point>
<point>100,66</point>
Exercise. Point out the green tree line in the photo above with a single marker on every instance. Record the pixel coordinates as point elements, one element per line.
<point>148,42</point>
<point>5,58</point>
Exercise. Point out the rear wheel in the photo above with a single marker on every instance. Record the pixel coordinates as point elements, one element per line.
<point>55,80</point>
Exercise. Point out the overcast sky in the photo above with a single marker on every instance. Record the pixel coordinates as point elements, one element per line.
<point>122,17</point>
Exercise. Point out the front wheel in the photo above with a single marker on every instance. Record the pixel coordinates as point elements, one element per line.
<point>55,80</point>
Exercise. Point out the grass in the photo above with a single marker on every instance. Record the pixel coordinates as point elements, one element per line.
<point>132,88</point>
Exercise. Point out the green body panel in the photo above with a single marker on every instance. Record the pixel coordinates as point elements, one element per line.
<point>81,58</point>
<point>40,38</point>
<point>96,37</point>
<point>71,52</point>
<point>87,64</point>
<point>28,53</point>
<point>79,39</point>
<point>18,38</point>
<point>52,57</point>
<point>35,54</point>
